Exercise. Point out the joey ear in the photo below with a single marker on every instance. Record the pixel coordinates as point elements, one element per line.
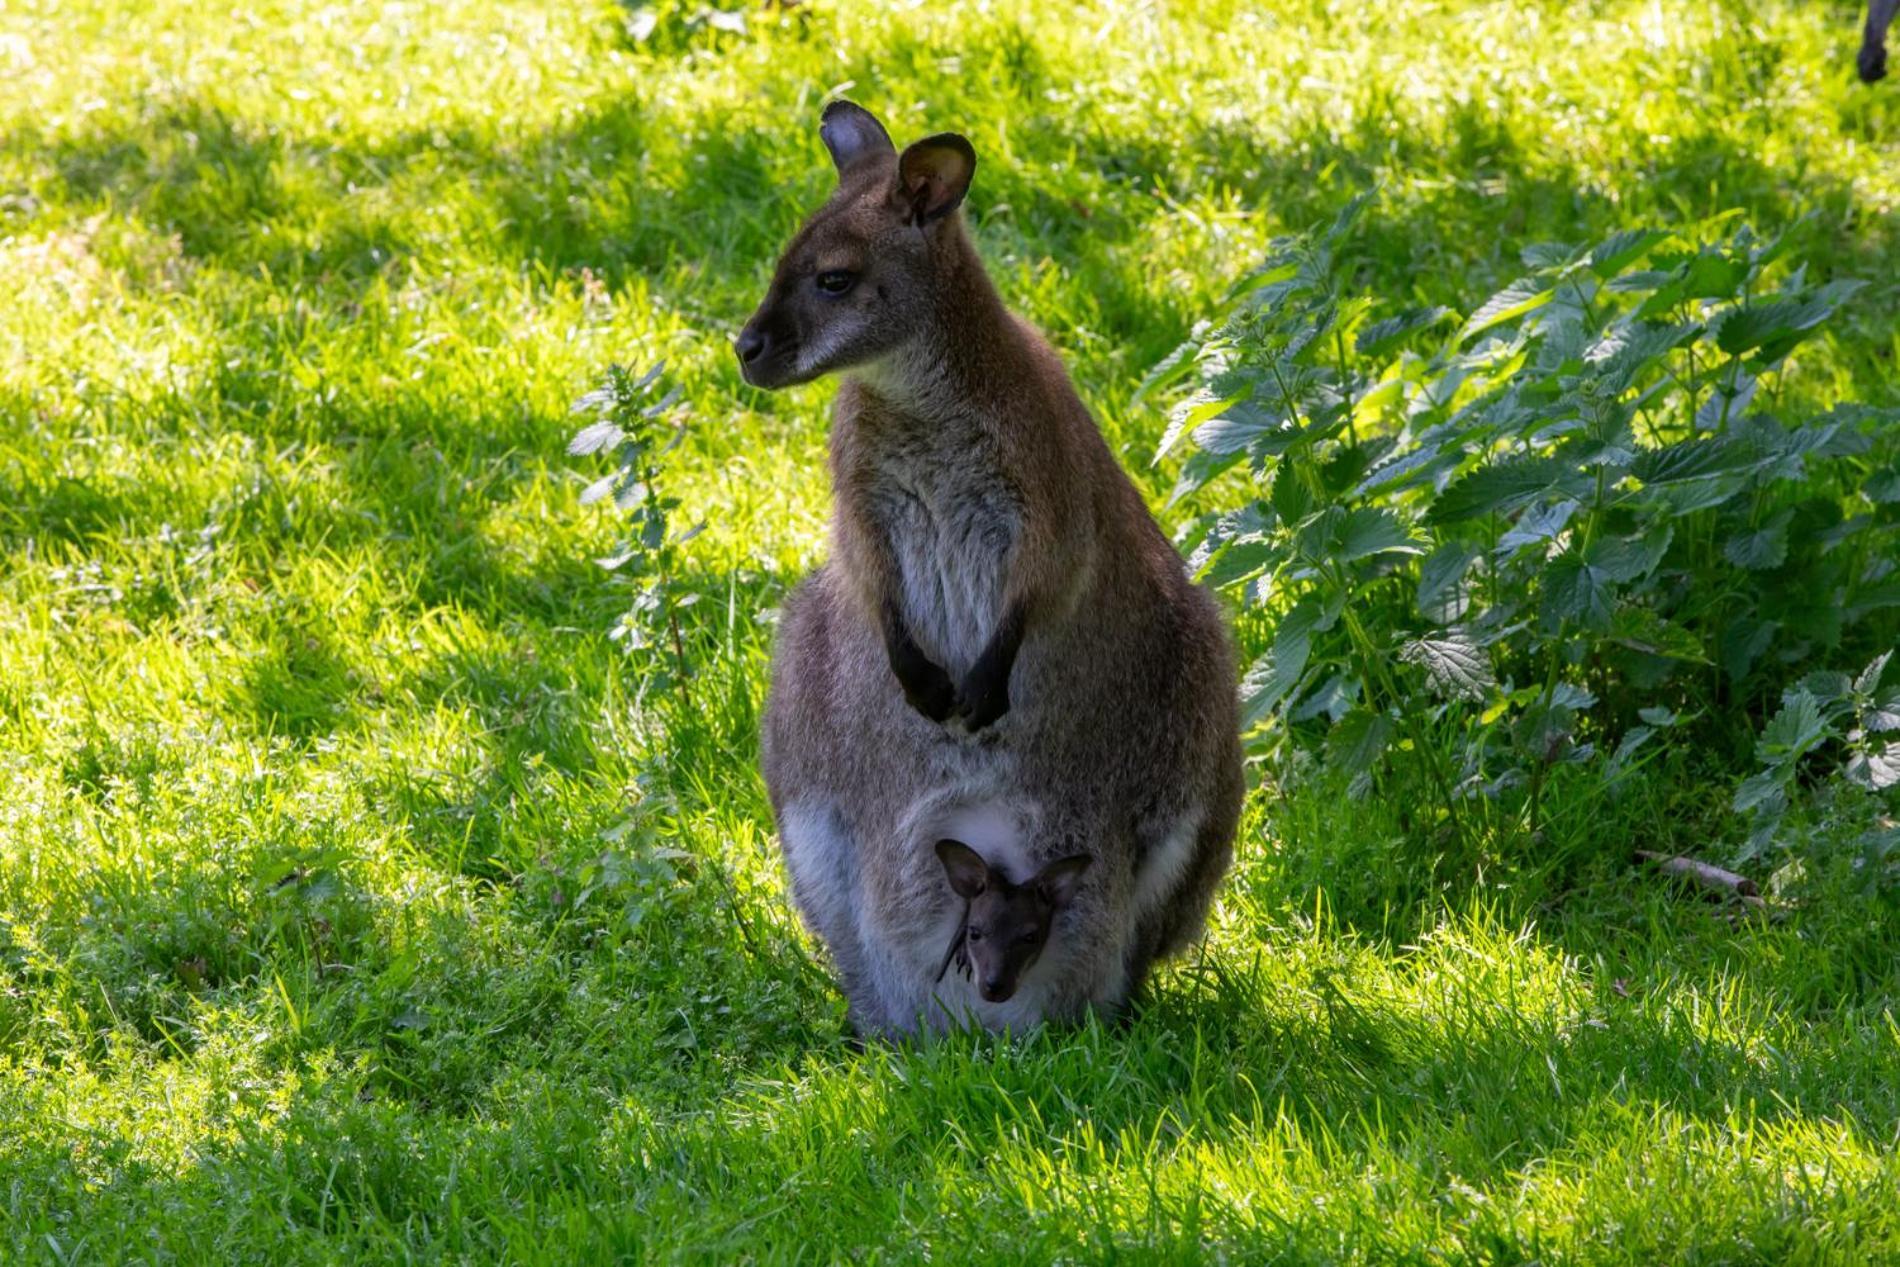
<point>933,175</point>
<point>1058,881</point>
<point>969,874</point>
<point>852,133</point>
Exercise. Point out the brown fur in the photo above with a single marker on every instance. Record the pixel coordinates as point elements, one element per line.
<point>960,439</point>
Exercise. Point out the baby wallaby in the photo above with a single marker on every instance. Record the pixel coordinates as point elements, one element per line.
<point>1005,925</point>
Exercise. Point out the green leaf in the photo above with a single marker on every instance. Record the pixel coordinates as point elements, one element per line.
<point>1236,427</point>
<point>1200,470</point>
<point>1441,590</point>
<point>1618,251</point>
<point>1694,460</point>
<point>1796,729</point>
<point>1539,523</point>
<point>1526,294</point>
<point>1641,629</point>
<point>1777,325</point>
<point>1875,768</point>
<point>1454,664</point>
<point>1382,336</point>
<point>1373,530</point>
<point>1869,678</point>
<point>1191,413</point>
<point>1575,591</point>
<point>1505,486</point>
<point>1761,791</point>
<point>1357,742</point>
<point>1239,561</point>
<point>1764,548</point>
<point>594,438</point>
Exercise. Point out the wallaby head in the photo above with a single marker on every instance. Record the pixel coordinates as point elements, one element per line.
<point>861,277</point>
<point>1008,924</point>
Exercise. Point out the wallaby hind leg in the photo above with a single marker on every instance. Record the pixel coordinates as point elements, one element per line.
<point>821,857</point>
<point>1873,44</point>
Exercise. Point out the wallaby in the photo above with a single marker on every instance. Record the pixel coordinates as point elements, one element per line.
<point>1001,618</point>
<point>1005,925</point>
<point>1873,41</point>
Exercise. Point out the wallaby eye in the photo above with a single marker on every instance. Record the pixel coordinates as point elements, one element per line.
<point>836,281</point>
<point>1027,939</point>
<point>976,934</point>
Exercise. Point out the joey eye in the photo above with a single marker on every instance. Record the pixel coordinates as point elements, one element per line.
<point>836,281</point>
<point>975,934</point>
<point>1027,939</point>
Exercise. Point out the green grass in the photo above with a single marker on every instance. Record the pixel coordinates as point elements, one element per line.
<point>322,936</point>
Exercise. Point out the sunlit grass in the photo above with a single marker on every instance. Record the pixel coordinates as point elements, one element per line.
<point>319,937</point>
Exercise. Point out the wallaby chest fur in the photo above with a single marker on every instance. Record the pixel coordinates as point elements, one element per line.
<point>1001,621</point>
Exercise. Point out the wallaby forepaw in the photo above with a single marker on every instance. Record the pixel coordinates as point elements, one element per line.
<point>934,696</point>
<point>1873,63</point>
<point>982,711</point>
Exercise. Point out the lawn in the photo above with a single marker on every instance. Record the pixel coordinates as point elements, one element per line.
<point>362,900</point>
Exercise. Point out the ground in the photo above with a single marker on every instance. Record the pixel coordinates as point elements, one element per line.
<point>361,899</point>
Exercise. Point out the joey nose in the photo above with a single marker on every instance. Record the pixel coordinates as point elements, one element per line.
<point>995,989</point>
<point>750,345</point>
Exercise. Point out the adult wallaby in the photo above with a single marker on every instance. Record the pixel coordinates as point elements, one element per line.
<point>1873,41</point>
<point>1001,617</point>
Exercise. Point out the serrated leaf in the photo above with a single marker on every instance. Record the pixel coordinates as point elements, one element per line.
<point>1798,727</point>
<point>599,489</point>
<point>1238,561</point>
<point>1381,336</point>
<point>1869,678</point>
<point>1525,295</point>
<point>1200,470</point>
<point>1760,791</point>
<point>594,438</point>
<point>1358,741</point>
<point>1191,413</point>
<point>1454,664</point>
<point>1776,325</point>
<point>1236,427</point>
<point>1575,591</point>
<point>1694,460</point>
<point>1441,589</point>
<point>1373,530</point>
<point>1882,487</point>
<point>1505,486</point>
<point>1620,250</point>
<point>1268,681</point>
<point>1539,523</point>
<point>1876,768</point>
<point>1641,629</point>
<point>1766,547</point>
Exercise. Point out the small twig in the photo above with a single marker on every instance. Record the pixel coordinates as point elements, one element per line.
<point>955,951</point>
<point>1709,876</point>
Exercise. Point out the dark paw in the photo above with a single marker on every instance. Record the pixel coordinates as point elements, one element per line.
<point>931,693</point>
<point>1873,63</point>
<point>981,703</point>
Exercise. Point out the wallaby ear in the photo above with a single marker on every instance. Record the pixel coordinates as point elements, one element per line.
<point>934,174</point>
<point>969,874</point>
<point>1059,880</point>
<point>852,133</point>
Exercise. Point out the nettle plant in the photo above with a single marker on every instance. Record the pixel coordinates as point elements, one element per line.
<point>1544,534</point>
<point>637,421</point>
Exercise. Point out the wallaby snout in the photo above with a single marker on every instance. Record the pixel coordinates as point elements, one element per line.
<point>861,278</point>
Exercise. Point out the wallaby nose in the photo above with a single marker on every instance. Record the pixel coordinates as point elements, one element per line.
<point>750,345</point>
<point>995,989</point>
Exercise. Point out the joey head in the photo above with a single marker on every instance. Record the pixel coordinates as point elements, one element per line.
<point>1008,924</point>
